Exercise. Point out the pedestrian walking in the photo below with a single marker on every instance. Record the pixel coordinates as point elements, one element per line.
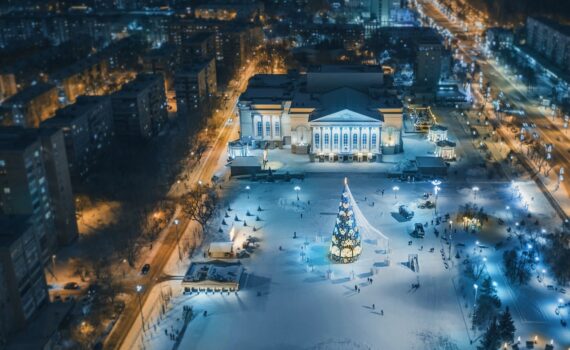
<point>382,312</point>
<point>355,288</point>
<point>373,307</point>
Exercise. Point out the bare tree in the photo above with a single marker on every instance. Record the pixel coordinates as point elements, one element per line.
<point>475,267</point>
<point>200,204</point>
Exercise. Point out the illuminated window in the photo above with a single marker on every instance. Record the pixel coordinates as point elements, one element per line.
<point>277,129</point>
<point>373,140</point>
<point>326,139</point>
<point>364,141</point>
<point>317,140</point>
<point>345,139</point>
<point>267,128</point>
<point>259,129</point>
<point>354,140</point>
<point>335,140</point>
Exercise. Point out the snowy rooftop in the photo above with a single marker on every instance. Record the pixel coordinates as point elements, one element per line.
<point>221,247</point>
<point>215,273</point>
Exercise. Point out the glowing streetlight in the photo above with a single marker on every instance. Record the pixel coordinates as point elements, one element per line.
<point>395,189</point>
<point>53,265</point>
<point>297,189</point>
<point>176,222</point>
<point>247,188</point>
<point>476,287</point>
<point>139,290</point>
<point>436,190</point>
<point>475,189</point>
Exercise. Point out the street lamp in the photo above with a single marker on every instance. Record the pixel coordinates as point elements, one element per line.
<point>475,189</point>
<point>53,265</point>
<point>436,189</point>
<point>395,189</point>
<point>247,188</point>
<point>176,222</point>
<point>476,287</point>
<point>297,189</point>
<point>139,290</point>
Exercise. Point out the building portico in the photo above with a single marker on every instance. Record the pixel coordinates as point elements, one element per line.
<point>346,135</point>
<point>346,123</point>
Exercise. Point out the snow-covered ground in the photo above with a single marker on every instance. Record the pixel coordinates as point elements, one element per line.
<point>289,301</point>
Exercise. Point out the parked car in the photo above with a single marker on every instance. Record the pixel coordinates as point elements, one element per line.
<point>405,212</point>
<point>418,230</point>
<point>71,285</point>
<point>145,269</point>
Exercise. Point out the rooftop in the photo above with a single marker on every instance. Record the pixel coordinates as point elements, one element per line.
<point>445,143</point>
<point>430,162</point>
<point>134,87</point>
<point>347,98</point>
<point>83,105</point>
<point>562,28</point>
<point>42,328</point>
<point>29,94</point>
<point>16,138</point>
<point>13,226</point>
<point>344,68</point>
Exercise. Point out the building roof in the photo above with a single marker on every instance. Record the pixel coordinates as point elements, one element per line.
<point>13,227</point>
<point>562,28</point>
<point>17,138</point>
<point>344,68</point>
<point>136,86</point>
<point>249,161</point>
<point>445,143</point>
<point>277,88</point>
<point>438,127</point>
<point>29,94</point>
<point>43,328</point>
<point>430,162</point>
<point>221,247</point>
<point>346,98</point>
<point>84,105</point>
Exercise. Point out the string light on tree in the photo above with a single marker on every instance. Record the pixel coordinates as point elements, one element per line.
<point>346,244</point>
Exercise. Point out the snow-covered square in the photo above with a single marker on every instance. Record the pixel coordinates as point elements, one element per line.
<point>292,296</point>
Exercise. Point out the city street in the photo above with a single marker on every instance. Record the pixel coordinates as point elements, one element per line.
<point>126,331</point>
<point>548,131</point>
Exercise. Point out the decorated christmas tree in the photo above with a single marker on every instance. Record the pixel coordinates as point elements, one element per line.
<point>346,243</point>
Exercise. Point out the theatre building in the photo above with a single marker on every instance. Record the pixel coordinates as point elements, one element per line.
<point>332,113</point>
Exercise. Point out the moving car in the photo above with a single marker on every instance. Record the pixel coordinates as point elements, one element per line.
<point>145,269</point>
<point>71,285</point>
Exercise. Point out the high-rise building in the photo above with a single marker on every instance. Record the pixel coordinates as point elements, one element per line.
<point>59,184</point>
<point>23,185</point>
<point>139,108</point>
<point>380,11</point>
<point>162,60</point>
<point>195,87</point>
<point>23,288</point>
<point>30,106</point>
<point>429,53</point>
<point>34,178</point>
<point>197,47</point>
<point>550,39</point>
<point>88,131</point>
